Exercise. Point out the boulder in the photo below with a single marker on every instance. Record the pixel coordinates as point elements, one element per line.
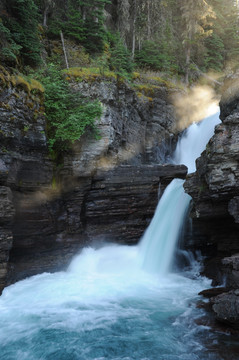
<point>226,308</point>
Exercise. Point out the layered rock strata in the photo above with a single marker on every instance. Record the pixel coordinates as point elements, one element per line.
<point>214,188</point>
<point>47,214</point>
<point>133,129</point>
<point>114,205</point>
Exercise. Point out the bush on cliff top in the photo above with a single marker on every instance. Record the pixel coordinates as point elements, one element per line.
<point>68,114</point>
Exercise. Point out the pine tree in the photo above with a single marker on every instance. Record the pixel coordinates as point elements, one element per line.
<point>225,42</point>
<point>9,50</point>
<point>21,19</point>
<point>120,57</point>
<point>214,58</point>
<point>81,20</point>
<point>195,15</point>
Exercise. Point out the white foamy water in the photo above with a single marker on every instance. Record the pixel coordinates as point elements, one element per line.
<point>104,307</point>
<point>194,141</point>
<point>108,306</point>
<point>159,241</point>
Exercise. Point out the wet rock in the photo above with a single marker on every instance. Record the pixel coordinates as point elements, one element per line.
<point>233,208</point>
<point>214,188</point>
<point>230,266</point>
<point>7,212</point>
<point>209,293</point>
<point>122,201</point>
<point>226,308</point>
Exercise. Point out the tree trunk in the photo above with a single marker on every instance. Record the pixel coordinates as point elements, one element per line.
<point>188,60</point>
<point>45,14</point>
<point>64,50</point>
<point>148,20</point>
<point>134,14</point>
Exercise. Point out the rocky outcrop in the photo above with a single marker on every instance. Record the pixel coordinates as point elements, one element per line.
<point>214,189</point>
<point>226,308</point>
<point>47,213</point>
<point>121,202</point>
<point>25,169</point>
<point>114,205</point>
<point>6,238</point>
<point>133,129</point>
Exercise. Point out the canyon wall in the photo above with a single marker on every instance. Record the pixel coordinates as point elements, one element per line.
<point>104,190</point>
<point>214,188</point>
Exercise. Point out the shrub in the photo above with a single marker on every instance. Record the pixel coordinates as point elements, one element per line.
<point>68,114</point>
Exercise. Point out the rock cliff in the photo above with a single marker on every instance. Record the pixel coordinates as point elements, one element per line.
<point>105,189</point>
<point>214,188</point>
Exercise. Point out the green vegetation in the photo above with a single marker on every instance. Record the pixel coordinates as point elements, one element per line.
<point>68,115</point>
<point>19,24</point>
<point>177,38</point>
<point>119,59</point>
<point>109,39</point>
<point>82,21</point>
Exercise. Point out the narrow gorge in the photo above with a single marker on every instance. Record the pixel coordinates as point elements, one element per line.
<point>106,190</point>
<point>103,189</point>
<point>119,180</point>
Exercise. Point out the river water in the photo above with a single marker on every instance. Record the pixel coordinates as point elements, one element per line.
<point>117,302</point>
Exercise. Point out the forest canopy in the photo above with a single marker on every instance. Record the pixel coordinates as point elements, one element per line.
<point>173,36</point>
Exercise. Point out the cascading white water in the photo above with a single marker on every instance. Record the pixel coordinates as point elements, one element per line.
<point>106,307</point>
<point>194,141</point>
<point>159,240</point>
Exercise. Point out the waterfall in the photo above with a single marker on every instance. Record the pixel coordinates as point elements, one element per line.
<point>194,140</point>
<point>106,307</point>
<point>161,236</point>
<point>158,242</point>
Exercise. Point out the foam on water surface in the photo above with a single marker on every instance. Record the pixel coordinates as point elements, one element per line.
<point>115,303</point>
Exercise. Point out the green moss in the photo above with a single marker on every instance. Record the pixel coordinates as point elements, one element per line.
<point>30,86</point>
<point>26,129</point>
<point>54,183</point>
<point>87,74</point>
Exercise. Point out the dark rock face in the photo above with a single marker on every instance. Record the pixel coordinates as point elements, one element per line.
<point>226,308</point>
<point>6,238</point>
<point>121,202</point>
<point>47,215</point>
<point>214,188</point>
<point>133,130</point>
<point>25,169</point>
<point>114,205</point>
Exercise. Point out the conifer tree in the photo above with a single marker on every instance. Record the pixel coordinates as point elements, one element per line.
<point>195,15</point>
<point>225,27</point>
<point>120,59</point>
<point>21,18</point>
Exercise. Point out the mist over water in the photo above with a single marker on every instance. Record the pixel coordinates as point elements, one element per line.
<point>112,303</point>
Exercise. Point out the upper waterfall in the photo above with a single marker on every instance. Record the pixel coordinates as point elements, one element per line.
<point>158,243</point>
<point>194,140</point>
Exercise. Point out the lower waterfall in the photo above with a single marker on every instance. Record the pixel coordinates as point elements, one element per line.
<point>116,303</point>
<point>158,243</point>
